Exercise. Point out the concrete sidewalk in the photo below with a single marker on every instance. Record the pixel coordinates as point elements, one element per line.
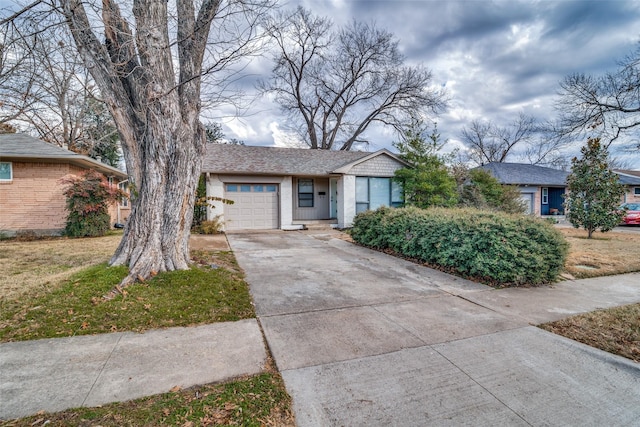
<point>362,338</point>
<point>56,374</point>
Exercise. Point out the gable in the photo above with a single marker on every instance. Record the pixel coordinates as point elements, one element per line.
<point>381,165</point>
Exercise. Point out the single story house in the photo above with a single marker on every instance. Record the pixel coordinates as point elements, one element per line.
<point>287,188</point>
<point>31,195</point>
<point>542,189</point>
<point>631,181</point>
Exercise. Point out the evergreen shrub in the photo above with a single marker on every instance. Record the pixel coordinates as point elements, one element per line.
<point>497,248</point>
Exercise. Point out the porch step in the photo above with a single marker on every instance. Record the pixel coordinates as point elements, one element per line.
<point>317,224</point>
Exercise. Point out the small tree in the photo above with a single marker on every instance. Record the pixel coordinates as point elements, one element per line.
<point>428,182</point>
<point>481,190</point>
<point>88,198</point>
<point>594,190</point>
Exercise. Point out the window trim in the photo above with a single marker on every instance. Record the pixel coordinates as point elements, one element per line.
<point>306,194</point>
<point>545,195</point>
<point>10,179</point>
<point>636,191</point>
<point>393,185</point>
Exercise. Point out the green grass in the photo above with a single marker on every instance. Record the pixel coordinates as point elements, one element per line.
<point>260,400</point>
<point>180,298</point>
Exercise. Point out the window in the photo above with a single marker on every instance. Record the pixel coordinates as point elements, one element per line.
<point>371,193</point>
<point>545,196</point>
<point>270,188</point>
<point>124,202</point>
<point>232,188</point>
<point>258,188</point>
<point>636,191</point>
<point>6,171</point>
<point>305,193</point>
<point>245,189</point>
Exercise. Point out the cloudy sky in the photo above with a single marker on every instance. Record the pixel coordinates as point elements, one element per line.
<point>495,58</point>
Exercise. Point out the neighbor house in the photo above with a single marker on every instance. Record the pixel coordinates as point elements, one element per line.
<point>288,188</point>
<point>631,180</point>
<point>31,194</point>
<point>541,189</point>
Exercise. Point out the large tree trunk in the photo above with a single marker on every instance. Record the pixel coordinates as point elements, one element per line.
<point>157,115</point>
<point>156,236</point>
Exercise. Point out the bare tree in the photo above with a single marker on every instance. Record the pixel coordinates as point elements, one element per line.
<point>334,84</point>
<point>148,62</point>
<point>607,105</point>
<point>525,139</point>
<point>48,91</point>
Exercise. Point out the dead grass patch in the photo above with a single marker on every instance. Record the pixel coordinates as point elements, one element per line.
<point>615,330</point>
<point>40,265</point>
<point>603,255</point>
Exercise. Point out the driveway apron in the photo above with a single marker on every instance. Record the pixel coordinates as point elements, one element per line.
<point>362,338</point>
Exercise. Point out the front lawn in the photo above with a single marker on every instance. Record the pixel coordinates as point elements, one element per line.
<point>603,255</point>
<point>203,294</point>
<point>616,330</point>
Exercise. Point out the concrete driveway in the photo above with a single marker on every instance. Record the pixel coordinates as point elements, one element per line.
<point>362,338</point>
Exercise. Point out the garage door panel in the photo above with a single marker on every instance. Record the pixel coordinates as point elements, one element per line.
<point>253,209</point>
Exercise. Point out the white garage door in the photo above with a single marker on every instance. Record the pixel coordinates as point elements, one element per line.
<point>255,207</point>
<point>527,199</point>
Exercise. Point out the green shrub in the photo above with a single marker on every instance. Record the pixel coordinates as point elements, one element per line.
<point>88,198</point>
<point>493,247</point>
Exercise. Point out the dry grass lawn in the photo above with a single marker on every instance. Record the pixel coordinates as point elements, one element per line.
<point>40,265</point>
<point>616,330</point>
<point>603,255</point>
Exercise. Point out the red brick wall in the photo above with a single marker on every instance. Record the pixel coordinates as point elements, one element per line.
<point>33,200</point>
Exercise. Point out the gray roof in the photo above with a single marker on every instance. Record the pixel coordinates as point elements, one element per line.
<point>241,159</point>
<point>628,177</point>
<point>18,146</point>
<point>524,174</point>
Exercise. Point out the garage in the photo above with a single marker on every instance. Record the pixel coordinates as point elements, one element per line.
<point>527,200</point>
<point>255,207</point>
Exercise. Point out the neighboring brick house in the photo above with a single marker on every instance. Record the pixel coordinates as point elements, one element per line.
<point>31,195</point>
<point>288,188</point>
<point>631,180</point>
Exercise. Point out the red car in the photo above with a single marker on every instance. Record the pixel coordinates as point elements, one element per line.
<point>632,213</point>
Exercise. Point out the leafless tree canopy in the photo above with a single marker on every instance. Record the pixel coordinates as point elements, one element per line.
<point>607,106</point>
<point>524,140</point>
<point>47,89</point>
<point>334,84</point>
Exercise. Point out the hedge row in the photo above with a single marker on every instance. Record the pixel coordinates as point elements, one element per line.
<point>501,249</point>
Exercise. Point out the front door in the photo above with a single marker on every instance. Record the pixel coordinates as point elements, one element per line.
<point>333,190</point>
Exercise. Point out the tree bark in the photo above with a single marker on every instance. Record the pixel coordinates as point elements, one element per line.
<point>158,117</point>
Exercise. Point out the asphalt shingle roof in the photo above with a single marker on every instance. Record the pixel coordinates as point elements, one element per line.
<point>21,146</point>
<point>237,159</point>
<point>628,177</point>
<point>521,174</point>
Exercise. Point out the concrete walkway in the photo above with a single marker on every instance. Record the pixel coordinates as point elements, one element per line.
<point>362,338</point>
<point>61,373</point>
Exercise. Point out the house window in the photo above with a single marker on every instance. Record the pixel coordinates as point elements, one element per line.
<point>124,202</point>
<point>636,191</point>
<point>258,188</point>
<point>545,196</point>
<point>245,189</point>
<point>271,188</point>
<point>371,193</point>
<point>6,171</point>
<point>232,188</point>
<point>305,193</point>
